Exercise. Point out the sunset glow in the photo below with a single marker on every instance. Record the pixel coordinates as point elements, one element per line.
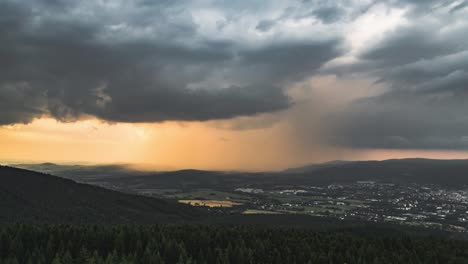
<point>196,85</point>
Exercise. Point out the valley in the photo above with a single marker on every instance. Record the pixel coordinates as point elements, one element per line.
<point>338,190</point>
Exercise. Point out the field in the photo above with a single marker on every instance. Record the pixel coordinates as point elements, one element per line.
<point>210,203</point>
<point>253,211</point>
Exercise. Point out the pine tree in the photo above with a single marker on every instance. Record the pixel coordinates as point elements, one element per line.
<point>57,260</point>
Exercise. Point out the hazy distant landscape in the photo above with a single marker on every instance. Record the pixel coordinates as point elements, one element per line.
<point>424,193</point>
<point>306,214</point>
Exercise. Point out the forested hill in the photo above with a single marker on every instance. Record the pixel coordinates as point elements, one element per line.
<point>400,171</point>
<point>142,244</point>
<point>27,196</point>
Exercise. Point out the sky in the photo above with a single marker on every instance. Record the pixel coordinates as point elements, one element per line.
<point>232,85</point>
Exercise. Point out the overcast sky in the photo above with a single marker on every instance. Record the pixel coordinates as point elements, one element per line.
<point>323,78</point>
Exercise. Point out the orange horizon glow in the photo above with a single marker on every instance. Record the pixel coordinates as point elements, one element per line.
<point>176,145</point>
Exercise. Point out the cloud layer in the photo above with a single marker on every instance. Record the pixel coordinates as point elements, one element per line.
<point>424,65</point>
<point>141,61</point>
<point>153,61</point>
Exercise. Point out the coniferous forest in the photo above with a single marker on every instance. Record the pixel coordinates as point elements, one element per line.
<point>217,244</point>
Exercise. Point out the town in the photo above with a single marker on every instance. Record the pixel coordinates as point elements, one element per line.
<point>410,204</point>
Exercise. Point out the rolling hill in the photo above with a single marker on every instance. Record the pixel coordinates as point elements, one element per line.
<point>399,171</point>
<point>27,196</point>
<point>451,173</point>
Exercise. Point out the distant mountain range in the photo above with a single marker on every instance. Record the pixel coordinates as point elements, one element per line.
<point>313,167</point>
<point>28,196</point>
<point>80,172</point>
<point>421,171</point>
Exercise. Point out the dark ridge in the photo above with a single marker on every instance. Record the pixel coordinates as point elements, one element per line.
<point>27,196</point>
<point>399,171</point>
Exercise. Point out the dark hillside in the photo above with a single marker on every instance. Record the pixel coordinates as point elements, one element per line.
<point>28,196</point>
<point>423,171</point>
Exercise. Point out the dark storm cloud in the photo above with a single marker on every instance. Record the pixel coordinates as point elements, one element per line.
<point>146,64</point>
<point>265,25</point>
<point>328,15</point>
<point>404,120</point>
<point>424,66</point>
<point>420,7</point>
<point>324,12</point>
<point>460,6</point>
<point>282,62</point>
<point>416,42</point>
